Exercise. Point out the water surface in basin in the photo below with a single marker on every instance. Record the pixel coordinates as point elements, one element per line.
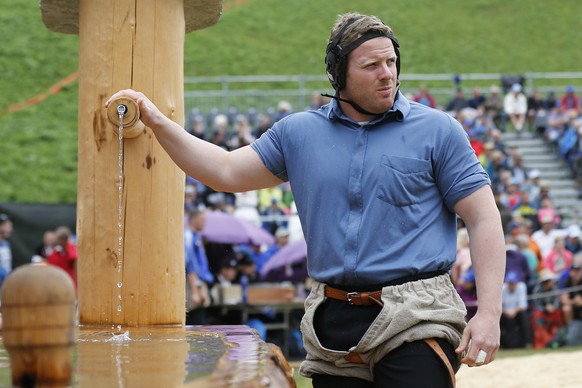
<point>161,357</point>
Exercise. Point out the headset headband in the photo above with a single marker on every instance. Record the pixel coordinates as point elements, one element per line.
<point>336,56</point>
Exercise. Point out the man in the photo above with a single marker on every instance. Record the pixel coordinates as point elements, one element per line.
<point>377,181</point>
<point>546,317</point>
<point>515,327</point>
<point>64,253</point>
<point>515,107</point>
<point>494,106</point>
<point>198,275</point>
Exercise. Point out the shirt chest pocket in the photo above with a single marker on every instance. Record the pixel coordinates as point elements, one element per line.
<point>404,181</point>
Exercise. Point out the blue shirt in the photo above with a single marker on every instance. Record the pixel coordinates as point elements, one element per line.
<point>375,200</point>
<point>195,256</point>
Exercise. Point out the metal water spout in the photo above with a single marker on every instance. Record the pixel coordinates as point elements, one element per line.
<point>126,111</point>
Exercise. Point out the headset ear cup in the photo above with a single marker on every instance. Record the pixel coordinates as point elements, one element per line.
<point>330,67</point>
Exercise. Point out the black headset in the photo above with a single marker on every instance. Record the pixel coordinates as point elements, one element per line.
<point>336,57</point>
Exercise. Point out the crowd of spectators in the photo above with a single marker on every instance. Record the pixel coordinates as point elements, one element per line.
<point>542,294</point>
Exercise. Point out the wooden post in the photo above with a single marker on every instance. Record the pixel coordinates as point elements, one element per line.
<point>139,45</point>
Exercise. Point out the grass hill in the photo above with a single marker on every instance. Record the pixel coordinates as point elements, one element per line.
<point>38,144</point>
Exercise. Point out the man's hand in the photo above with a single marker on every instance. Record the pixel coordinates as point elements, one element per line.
<point>482,335</point>
<point>150,115</point>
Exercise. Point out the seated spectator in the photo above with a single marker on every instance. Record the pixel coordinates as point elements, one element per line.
<point>457,103</point>
<point>262,127</point>
<point>544,198</point>
<point>532,185</point>
<point>494,165</point>
<point>551,101</point>
<point>559,258</point>
<point>477,100</point>
<point>424,97</point>
<point>515,107</point>
<point>535,105</point>
<point>228,271</point>
<point>468,293</point>
<point>474,137</point>
<point>546,319</point>
<point>512,194</point>
<point>273,217</point>
<point>563,277</point>
<point>515,327</point>
<point>242,133</point>
<point>225,277</point>
<point>570,101</point>
<point>516,264</point>
<point>482,128</point>
<point>247,267</point>
<point>557,121</point>
<point>573,243</point>
<point>518,171</point>
<point>522,241</point>
<point>545,237</point>
<point>572,305</point>
<point>494,106</point>
<point>45,248</point>
<point>525,207</point>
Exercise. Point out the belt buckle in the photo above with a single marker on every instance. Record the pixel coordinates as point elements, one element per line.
<point>350,296</point>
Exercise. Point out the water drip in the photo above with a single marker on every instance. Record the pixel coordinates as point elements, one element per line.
<point>121,110</point>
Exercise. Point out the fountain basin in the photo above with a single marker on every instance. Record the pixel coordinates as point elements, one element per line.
<point>194,356</point>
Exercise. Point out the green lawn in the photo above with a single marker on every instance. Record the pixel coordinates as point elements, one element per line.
<point>38,144</point>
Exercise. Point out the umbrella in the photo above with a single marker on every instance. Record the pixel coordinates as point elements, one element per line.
<point>288,263</point>
<point>225,228</point>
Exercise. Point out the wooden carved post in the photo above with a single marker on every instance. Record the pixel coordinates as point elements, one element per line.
<point>139,45</point>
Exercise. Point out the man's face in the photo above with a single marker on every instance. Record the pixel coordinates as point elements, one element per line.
<point>371,78</point>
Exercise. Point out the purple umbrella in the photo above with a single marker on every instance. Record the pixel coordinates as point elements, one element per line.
<point>288,263</point>
<point>225,228</point>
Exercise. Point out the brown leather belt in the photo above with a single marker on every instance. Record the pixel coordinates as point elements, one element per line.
<point>364,298</point>
<point>368,298</point>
